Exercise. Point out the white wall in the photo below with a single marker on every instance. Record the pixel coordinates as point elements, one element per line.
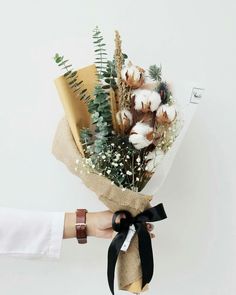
<point>194,40</point>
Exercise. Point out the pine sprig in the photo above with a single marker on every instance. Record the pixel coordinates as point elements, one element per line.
<point>162,88</point>
<point>100,52</point>
<point>155,73</point>
<point>72,77</point>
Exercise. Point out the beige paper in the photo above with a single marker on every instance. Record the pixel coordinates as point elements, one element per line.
<point>76,109</point>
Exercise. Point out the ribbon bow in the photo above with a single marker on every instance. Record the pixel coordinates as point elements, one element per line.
<point>144,241</point>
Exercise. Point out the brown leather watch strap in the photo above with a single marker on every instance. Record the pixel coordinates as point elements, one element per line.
<point>81,228</point>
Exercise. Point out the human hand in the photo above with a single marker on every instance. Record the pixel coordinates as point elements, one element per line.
<point>99,224</point>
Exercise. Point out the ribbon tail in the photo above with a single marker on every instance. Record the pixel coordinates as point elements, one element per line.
<point>153,214</point>
<point>146,254</point>
<point>158,213</point>
<point>113,253</point>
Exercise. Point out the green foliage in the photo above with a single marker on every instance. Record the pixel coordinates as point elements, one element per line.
<point>72,77</point>
<point>120,162</point>
<point>166,95</point>
<point>101,116</point>
<point>109,75</point>
<point>86,138</point>
<point>100,52</point>
<point>155,72</point>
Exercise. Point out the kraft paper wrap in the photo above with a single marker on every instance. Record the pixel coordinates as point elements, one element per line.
<point>67,149</point>
<point>76,109</point>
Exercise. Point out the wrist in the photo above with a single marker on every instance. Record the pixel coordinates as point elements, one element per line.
<point>69,225</point>
<point>70,221</point>
<point>90,224</point>
<point>81,226</point>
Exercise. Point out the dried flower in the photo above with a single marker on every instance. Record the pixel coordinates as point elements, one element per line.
<point>153,159</point>
<point>124,117</point>
<point>166,113</point>
<point>141,135</point>
<point>146,100</point>
<point>133,75</point>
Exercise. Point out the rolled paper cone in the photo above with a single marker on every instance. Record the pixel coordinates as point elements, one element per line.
<point>136,287</point>
<point>76,110</point>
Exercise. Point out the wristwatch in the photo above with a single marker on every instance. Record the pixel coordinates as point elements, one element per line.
<point>81,228</point>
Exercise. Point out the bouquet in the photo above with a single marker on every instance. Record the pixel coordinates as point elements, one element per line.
<point>121,120</point>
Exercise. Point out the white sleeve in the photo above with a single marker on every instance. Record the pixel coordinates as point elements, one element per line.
<point>31,234</point>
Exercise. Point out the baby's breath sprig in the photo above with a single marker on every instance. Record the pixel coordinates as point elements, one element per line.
<point>120,162</point>
<point>166,134</point>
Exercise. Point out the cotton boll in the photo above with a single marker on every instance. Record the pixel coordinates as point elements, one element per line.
<point>166,113</point>
<point>124,117</point>
<point>141,128</point>
<point>141,135</point>
<point>146,100</point>
<point>139,141</point>
<point>133,75</point>
<point>155,100</point>
<point>153,159</point>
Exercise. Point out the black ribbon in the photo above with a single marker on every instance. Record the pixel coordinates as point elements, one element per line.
<point>144,241</point>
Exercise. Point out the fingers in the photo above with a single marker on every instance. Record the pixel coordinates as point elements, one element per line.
<point>119,217</point>
<point>105,233</point>
<point>108,233</point>
<point>150,228</point>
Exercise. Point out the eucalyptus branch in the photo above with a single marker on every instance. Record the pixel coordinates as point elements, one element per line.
<point>100,52</point>
<point>72,78</point>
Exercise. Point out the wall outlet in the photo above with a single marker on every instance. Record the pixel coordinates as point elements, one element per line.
<point>196,95</point>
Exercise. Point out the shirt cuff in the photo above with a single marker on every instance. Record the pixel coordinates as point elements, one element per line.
<point>57,229</point>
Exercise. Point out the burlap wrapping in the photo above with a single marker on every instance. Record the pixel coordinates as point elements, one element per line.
<point>65,150</point>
